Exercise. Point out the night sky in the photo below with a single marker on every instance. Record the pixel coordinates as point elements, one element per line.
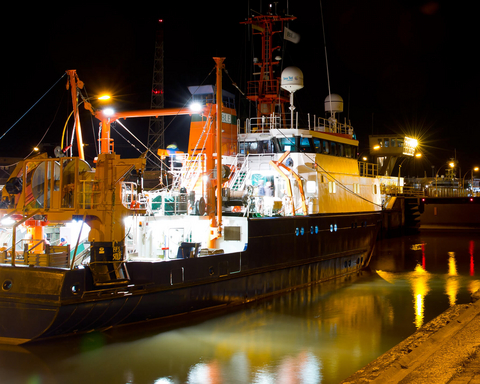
<point>400,66</point>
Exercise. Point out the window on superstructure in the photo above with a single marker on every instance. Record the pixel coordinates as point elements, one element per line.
<point>387,143</point>
<point>305,145</point>
<point>348,151</point>
<point>400,143</point>
<point>393,141</point>
<point>333,148</point>
<point>287,144</point>
<point>340,151</point>
<point>317,144</point>
<point>242,147</point>
<point>325,147</point>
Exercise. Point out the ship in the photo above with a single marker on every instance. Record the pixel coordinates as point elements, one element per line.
<point>249,211</point>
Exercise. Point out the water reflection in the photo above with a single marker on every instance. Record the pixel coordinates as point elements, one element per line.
<point>431,255</point>
<point>321,334</point>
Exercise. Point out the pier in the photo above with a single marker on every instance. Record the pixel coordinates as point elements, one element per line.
<point>445,350</point>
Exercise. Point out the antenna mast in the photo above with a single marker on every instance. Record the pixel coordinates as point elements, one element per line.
<point>266,90</point>
<point>156,126</point>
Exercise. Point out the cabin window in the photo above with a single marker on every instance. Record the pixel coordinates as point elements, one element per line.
<point>348,151</point>
<point>387,143</point>
<point>255,147</point>
<point>333,148</point>
<point>400,143</point>
<point>326,147</point>
<point>317,144</point>
<point>332,188</point>
<point>305,145</point>
<point>380,142</point>
<point>287,144</point>
<point>340,151</point>
<point>311,186</point>
<point>242,147</point>
<point>393,141</point>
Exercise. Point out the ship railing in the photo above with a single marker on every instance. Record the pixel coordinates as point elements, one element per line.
<point>367,169</point>
<point>169,204</point>
<point>6,254</point>
<point>442,191</point>
<point>312,123</point>
<point>37,252</point>
<point>131,198</point>
<point>402,190</point>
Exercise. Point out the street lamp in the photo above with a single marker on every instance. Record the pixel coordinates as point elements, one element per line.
<point>417,155</point>
<point>475,169</point>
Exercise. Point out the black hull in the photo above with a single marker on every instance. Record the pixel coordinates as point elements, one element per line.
<point>280,256</point>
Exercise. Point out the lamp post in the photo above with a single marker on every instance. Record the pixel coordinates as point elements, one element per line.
<point>474,169</point>
<point>417,155</point>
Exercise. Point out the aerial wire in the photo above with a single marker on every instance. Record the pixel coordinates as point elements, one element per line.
<point>326,57</point>
<point>1,137</point>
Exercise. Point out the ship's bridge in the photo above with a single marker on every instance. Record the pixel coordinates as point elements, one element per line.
<point>297,140</point>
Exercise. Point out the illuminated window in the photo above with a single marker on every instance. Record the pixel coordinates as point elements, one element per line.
<point>332,188</point>
<point>311,186</point>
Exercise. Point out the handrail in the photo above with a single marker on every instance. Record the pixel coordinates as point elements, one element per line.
<point>283,121</point>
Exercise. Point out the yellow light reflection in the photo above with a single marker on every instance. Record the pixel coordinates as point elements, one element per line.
<point>420,289</point>
<point>452,264</point>
<point>418,279</point>
<point>452,285</point>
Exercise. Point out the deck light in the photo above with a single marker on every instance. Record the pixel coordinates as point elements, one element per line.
<point>108,112</point>
<point>195,107</point>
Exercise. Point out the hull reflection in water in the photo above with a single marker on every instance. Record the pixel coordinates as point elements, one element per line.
<point>317,335</point>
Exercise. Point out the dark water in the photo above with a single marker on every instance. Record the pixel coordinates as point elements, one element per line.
<point>317,335</point>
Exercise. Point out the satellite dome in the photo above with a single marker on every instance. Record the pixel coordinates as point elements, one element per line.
<point>292,79</point>
<point>333,103</point>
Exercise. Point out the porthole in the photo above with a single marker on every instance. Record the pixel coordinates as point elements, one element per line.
<point>331,227</point>
<point>316,229</point>
<point>302,231</point>
<point>311,230</point>
<point>297,231</point>
<point>335,227</point>
<point>76,289</point>
<point>211,271</point>
<point>7,285</point>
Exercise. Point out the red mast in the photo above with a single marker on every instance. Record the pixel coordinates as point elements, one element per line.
<point>266,91</point>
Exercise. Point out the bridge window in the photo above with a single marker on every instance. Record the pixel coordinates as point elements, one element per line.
<point>287,144</point>
<point>305,145</point>
<point>325,147</point>
<point>333,148</point>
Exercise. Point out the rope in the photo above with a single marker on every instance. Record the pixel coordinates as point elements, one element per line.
<point>32,106</point>
<point>326,59</point>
